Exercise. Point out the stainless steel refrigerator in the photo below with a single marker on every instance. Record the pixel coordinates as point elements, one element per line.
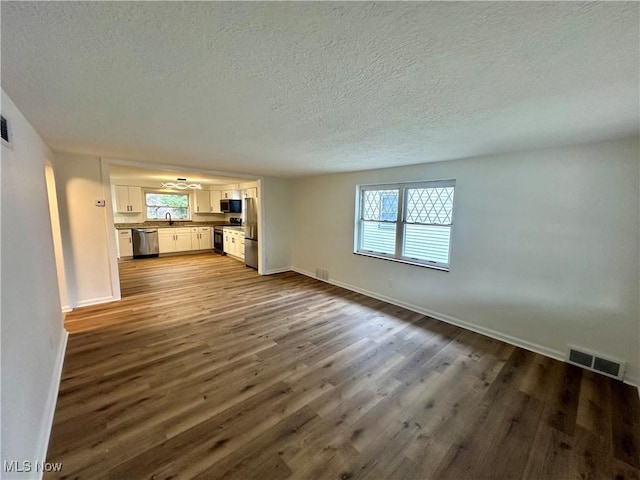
<point>251,232</point>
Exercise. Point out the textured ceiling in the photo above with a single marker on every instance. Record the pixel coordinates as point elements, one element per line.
<point>296,88</point>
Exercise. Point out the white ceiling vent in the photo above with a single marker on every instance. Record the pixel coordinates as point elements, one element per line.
<point>595,362</point>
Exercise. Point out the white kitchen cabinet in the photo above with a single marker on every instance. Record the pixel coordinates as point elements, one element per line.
<point>234,243</point>
<point>228,247</point>
<point>231,194</point>
<point>174,240</point>
<point>207,201</point>
<point>166,243</point>
<point>251,192</point>
<point>201,238</point>
<point>125,244</point>
<point>215,196</point>
<point>206,238</point>
<point>183,241</point>
<point>202,201</point>
<point>128,199</point>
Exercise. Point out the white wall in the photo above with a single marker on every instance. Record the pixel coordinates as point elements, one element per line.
<point>33,337</point>
<point>84,229</point>
<point>52,196</point>
<point>276,195</point>
<point>544,247</point>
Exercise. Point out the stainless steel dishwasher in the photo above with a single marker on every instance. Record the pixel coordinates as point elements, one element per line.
<point>145,242</point>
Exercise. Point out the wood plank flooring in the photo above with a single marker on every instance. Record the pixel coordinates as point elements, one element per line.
<point>207,370</point>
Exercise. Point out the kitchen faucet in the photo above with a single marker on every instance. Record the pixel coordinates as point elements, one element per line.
<point>168,215</point>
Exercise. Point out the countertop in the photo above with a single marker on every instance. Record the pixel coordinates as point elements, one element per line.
<point>176,224</point>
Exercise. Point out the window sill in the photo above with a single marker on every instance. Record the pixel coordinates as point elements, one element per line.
<point>402,260</point>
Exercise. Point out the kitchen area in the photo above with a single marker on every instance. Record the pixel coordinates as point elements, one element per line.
<point>161,213</point>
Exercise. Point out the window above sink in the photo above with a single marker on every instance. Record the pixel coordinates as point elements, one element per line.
<point>159,204</point>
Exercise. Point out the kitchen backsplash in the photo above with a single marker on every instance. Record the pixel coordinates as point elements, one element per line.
<point>130,218</point>
<point>139,218</point>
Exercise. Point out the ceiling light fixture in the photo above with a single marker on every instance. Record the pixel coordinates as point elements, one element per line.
<point>182,184</point>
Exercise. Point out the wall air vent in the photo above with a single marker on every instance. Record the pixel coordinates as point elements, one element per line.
<point>4,130</point>
<point>607,367</point>
<point>595,362</point>
<point>322,274</point>
<point>580,358</point>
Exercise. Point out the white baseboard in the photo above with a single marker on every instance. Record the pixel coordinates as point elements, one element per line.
<point>96,301</point>
<point>50,407</point>
<point>518,342</point>
<point>66,309</point>
<point>277,270</point>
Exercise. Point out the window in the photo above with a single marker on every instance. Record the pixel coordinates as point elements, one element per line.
<point>409,222</point>
<point>159,204</point>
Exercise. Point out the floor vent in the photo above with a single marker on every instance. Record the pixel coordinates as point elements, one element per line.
<point>595,362</point>
<point>322,274</point>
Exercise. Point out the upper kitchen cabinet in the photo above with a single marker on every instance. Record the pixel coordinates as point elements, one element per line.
<point>207,201</point>
<point>215,196</point>
<point>251,192</point>
<point>202,203</point>
<point>128,199</point>
<point>231,194</point>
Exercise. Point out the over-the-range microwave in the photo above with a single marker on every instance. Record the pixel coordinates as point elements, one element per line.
<point>231,206</point>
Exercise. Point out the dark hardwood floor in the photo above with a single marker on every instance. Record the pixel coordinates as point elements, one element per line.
<point>207,370</point>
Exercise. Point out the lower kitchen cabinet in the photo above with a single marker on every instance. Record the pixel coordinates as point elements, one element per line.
<point>183,241</point>
<point>234,243</point>
<point>229,248</point>
<point>174,240</point>
<point>201,238</point>
<point>241,245</point>
<point>125,244</point>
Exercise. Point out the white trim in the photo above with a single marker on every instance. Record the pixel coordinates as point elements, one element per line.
<point>66,309</point>
<point>112,246</point>
<point>400,223</point>
<point>261,198</point>
<point>405,260</point>
<point>278,270</point>
<point>50,407</point>
<point>97,301</point>
<point>633,381</point>
<point>518,342</point>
